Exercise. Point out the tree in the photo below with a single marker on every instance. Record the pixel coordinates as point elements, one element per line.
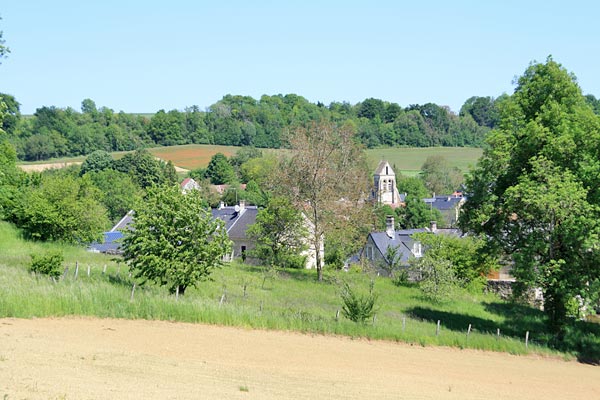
<point>280,234</point>
<point>99,160</point>
<point>62,209</point>
<point>326,176</point>
<point>439,177</point>
<point>117,192</point>
<point>174,241</point>
<point>534,193</point>
<point>3,49</point>
<point>146,170</point>
<point>219,171</point>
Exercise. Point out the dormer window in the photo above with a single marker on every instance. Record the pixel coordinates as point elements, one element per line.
<point>417,249</point>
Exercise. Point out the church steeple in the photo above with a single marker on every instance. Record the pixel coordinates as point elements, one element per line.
<point>384,185</point>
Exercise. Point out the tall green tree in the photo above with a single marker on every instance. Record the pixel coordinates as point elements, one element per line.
<point>174,242</point>
<point>535,194</point>
<point>327,177</point>
<point>439,177</point>
<point>219,170</point>
<point>280,234</point>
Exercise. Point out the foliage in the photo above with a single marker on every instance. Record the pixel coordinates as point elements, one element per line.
<point>49,263</point>
<point>357,307</point>
<point>145,170</point>
<point>98,160</point>
<point>174,241</point>
<point>280,234</point>
<point>437,279</point>
<point>534,193</point>
<point>116,191</point>
<point>466,255</point>
<point>60,208</point>
<point>439,177</point>
<point>326,177</point>
<point>219,171</point>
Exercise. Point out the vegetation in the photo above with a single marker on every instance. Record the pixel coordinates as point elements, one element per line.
<point>293,300</point>
<point>174,241</point>
<point>359,308</point>
<point>535,194</point>
<point>325,176</point>
<point>239,121</point>
<point>47,264</point>
<point>280,235</point>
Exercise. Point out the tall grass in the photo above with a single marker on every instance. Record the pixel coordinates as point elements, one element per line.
<point>238,295</point>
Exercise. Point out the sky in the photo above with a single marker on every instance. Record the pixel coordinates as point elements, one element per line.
<point>143,56</point>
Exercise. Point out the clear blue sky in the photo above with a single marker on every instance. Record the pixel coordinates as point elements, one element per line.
<point>142,56</point>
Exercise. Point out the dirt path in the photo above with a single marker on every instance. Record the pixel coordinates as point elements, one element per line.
<point>76,358</point>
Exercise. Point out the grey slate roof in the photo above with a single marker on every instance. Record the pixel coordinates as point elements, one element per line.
<point>402,239</point>
<point>442,203</point>
<point>236,222</point>
<point>110,243</point>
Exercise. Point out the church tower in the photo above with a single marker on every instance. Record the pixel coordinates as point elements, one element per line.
<point>384,185</point>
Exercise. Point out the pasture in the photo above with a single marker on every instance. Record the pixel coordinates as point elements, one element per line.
<point>407,160</point>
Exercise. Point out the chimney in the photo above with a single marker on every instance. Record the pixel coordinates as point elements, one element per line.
<point>389,226</point>
<point>433,226</point>
<point>242,205</point>
<point>221,205</point>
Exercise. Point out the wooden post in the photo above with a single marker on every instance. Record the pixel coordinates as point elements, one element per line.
<point>403,323</point>
<point>469,331</point>
<point>497,333</point>
<point>437,330</point>
<point>132,292</point>
<point>374,318</point>
<point>76,269</point>
<point>177,293</point>
<point>222,298</point>
<point>104,269</point>
<point>337,315</point>
<point>66,272</point>
<point>527,339</point>
<point>88,271</point>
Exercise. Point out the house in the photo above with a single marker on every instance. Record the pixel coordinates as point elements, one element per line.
<point>448,205</point>
<point>189,184</point>
<point>237,219</point>
<point>399,243</point>
<point>111,241</point>
<point>384,189</point>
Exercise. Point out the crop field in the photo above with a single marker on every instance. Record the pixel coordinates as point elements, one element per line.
<point>407,160</point>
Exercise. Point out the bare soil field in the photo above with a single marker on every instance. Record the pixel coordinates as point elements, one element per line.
<point>42,167</point>
<point>84,358</point>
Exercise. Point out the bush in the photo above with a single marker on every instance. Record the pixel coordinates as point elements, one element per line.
<point>48,264</point>
<point>358,308</point>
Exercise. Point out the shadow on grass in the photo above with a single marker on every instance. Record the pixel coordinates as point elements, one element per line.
<point>579,338</point>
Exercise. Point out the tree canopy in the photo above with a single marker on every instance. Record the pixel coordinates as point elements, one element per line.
<point>174,242</point>
<point>535,194</point>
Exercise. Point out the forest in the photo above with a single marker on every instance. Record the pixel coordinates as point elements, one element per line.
<point>53,132</point>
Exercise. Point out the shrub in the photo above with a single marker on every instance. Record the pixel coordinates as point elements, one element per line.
<point>358,307</point>
<point>48,264</point>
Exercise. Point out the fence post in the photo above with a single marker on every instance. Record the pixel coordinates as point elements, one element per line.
<point>76,269</point>
<point>65,273</point>
<point>437,329</point>
<point>497,333</point>
<point>527,339</point>
<point>469,331</point>
<point>88,271</point>
<point>403,323</point>
<point>222,298</point>
<point>177,293</point>
<point>132,292</point>
<point>104,269</point>
<point>337,315</point>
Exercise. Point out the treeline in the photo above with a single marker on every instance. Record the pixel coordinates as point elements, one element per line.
<point>240,121</point>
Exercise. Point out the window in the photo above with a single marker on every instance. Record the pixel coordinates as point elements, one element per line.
<point>417,249</point>
<point>369,252</point>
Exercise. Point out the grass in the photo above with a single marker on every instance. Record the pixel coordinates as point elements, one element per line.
<point>238,295</point>
<point>407,160</point>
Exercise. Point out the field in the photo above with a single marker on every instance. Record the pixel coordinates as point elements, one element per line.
<point>88,358</point>
<point>407,160</point>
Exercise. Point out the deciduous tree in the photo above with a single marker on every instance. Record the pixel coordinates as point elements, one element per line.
<point>326,176</point>
<point>174,241</point>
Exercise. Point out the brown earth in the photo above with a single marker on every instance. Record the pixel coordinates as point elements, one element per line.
<point>42,167</point>
<point>75,358</point>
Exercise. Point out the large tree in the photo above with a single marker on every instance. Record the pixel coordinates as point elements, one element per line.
<point>174,241</point>
<point>280,234</point>
<point>326,177</point>
<point>536,190</point>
